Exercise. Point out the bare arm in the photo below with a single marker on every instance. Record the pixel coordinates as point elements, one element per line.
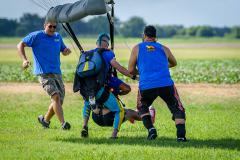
<point>21,51</point>
<point>171,59</point>
<point>133,61</point>
<point>120,68</point>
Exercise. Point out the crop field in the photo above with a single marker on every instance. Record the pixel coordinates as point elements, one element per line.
<point>208,81</point>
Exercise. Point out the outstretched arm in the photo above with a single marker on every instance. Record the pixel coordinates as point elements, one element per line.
<point>120,68</point>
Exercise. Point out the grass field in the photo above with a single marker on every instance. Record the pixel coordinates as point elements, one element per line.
<point>213,116</point>
<point>213,110</point>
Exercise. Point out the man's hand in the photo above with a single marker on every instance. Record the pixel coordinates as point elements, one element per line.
<point>26,64</point>
<point>66,51</point>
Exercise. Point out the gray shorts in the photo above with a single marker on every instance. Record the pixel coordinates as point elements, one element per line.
<point>53,83</point>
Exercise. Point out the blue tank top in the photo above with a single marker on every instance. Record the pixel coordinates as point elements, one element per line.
<point>152,64</point>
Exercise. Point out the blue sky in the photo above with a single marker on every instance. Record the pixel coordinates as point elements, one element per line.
<point>163,12</point>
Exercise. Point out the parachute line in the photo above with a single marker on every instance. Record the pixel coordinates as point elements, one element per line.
<point>40,5</point>
<point>47,3</point>
<point>69,30</point>
<point>70,40</point>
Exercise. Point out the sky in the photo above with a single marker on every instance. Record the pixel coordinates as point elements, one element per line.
<point>218,13</point>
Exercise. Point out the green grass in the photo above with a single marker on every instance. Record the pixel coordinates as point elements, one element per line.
<point>212,117</point>
<point>187,71</point>
<point>212,127</point>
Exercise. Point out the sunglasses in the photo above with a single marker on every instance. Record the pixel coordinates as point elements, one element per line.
<point>105,41</point>
<point>52,26</point>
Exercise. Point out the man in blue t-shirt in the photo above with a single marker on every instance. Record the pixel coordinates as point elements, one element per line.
<point>152,61</point>
<point>46,47</point>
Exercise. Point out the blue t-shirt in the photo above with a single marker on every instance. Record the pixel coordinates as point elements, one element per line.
<point>152,65</point>
<point>108,56</point>
<point>46,51</point>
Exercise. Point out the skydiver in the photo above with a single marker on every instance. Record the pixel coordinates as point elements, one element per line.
<point>105,118</point>
<point>111,102</point>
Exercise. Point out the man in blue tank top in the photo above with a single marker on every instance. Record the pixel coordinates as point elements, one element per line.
<point>152,60</point>
<point>46,46</point>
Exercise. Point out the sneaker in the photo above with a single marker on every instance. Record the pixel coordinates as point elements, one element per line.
<point>66,126</point>
<point>152,134</point>
<point>43,122</point>
<point>182,139</point>
<point>152,112</point>
<point>84,132</point>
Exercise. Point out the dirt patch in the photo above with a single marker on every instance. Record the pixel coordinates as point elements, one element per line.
<point>210,90</point>
<point>26,88</point>
<point>189,89</point>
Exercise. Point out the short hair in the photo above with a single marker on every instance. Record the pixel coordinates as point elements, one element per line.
<point>150,31</point>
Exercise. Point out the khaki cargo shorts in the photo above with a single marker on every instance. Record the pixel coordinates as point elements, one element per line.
<point>53,83</point>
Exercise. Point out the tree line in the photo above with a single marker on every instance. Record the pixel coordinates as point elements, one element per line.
<point>131,28</point>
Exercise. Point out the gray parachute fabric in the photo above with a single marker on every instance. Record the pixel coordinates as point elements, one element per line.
<point>74,11</point>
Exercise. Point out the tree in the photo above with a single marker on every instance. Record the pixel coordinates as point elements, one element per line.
<point>192,31</point>
<point>234,33</point>
<point>7,27</point>
<point>29,23</point>
<point>220,32</point>
<point>97,25</point>
<point>205,31</point>
<point>168,31</point>
<point>133,27</point>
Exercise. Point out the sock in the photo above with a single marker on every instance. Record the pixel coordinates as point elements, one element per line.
<point>181,131</point>
<point>147,122</point>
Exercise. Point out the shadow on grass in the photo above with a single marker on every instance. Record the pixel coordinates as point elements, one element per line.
<point>159,142</point>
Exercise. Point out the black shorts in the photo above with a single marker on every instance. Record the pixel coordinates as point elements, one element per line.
<point>104,120</point>
<point>169,95</point>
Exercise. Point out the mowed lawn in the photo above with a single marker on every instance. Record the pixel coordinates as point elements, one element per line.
<point>213,114</point>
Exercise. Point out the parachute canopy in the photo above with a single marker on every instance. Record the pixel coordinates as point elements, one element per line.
<point>74,11</point>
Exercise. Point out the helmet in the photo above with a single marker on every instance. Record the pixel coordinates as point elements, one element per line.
<point>100,37</point>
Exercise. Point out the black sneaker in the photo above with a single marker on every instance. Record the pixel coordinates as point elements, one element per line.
<point>152,134</point>
<point>84,132</point>
<point>181,139</point>
<point>66,126</point>
<point>43,122</point>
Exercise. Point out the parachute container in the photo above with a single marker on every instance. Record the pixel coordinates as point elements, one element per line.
<point>74,11</point>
